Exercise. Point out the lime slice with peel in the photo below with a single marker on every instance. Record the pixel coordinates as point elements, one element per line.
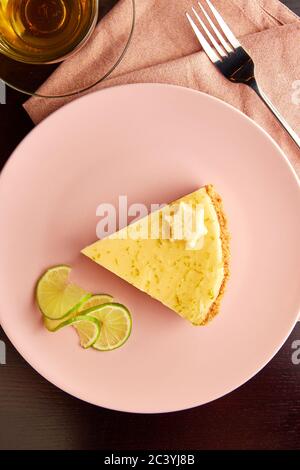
<point>53,325</point>
<point>88,329</point>
<point>116,324</point>
<point>93,301</point>
<point>56,296</point>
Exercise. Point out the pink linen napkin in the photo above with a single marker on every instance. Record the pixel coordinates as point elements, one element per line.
<point>165,50</point>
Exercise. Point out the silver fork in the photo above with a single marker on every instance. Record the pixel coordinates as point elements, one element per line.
<point>230,58</point>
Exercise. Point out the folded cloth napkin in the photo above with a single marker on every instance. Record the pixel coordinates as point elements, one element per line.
<point>165,50</point>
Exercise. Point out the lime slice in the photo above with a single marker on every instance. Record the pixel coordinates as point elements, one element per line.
<point>56,296</point>
<point>87,327</point>
<point>116,324</point>
<point>94,301</point>
<point>53,325</point>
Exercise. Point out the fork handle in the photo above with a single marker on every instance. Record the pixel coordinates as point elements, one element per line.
<point>254,85</point>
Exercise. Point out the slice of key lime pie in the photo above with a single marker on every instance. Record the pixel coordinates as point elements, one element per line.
<point>178,255</point>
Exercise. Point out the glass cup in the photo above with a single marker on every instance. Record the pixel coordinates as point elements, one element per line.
<point>26,73</point>
<point>45,31</point>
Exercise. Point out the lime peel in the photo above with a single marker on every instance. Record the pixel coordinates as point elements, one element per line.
<point>89,301</point>
<point>116,325</point>
<point>87,327</point>
<point>95,301</point>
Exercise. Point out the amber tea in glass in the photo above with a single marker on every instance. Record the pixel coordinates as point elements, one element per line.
<point>45,31</point>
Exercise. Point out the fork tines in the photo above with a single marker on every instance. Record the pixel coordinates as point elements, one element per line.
<point>216,47</point>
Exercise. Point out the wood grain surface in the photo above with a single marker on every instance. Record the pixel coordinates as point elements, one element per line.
<point>262,414</point>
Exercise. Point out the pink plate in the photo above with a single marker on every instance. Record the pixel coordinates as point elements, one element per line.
<point>153,143</point>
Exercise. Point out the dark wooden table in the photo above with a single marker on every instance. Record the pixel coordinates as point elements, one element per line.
<point>262,414</point>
